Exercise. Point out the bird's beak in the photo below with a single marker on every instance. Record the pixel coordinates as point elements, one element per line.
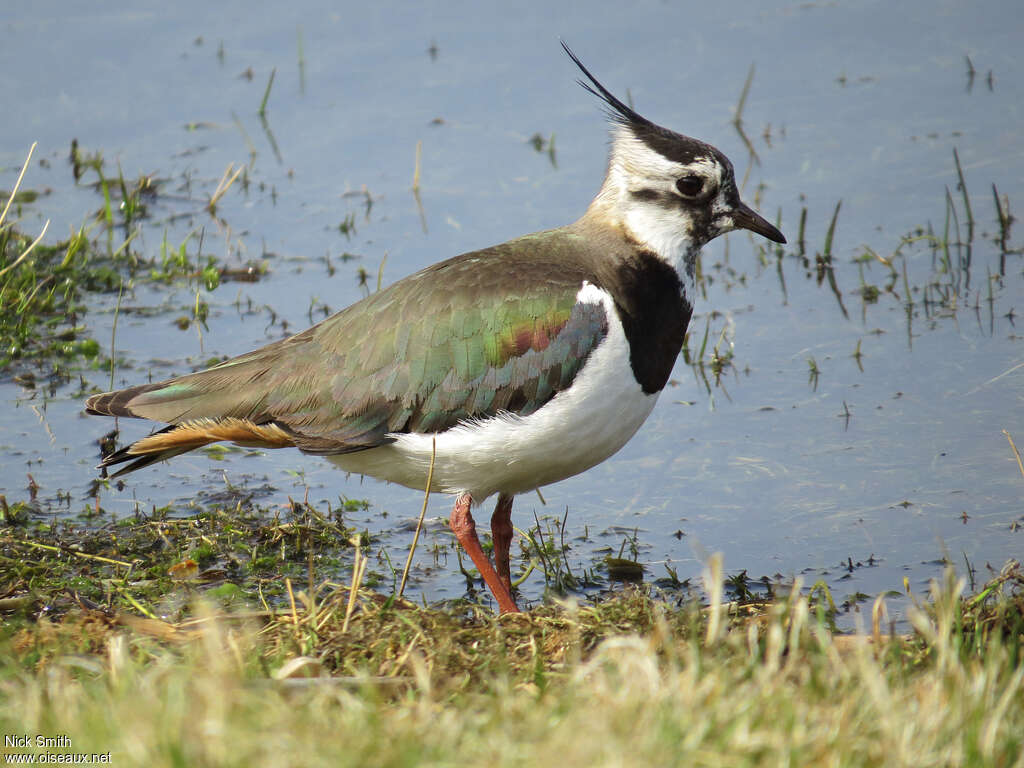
<point>745,218</point>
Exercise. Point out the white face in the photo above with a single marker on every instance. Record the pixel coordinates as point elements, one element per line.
<point>673,208</point>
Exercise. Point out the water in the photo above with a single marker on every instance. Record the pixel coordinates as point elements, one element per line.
<point>893,460</point>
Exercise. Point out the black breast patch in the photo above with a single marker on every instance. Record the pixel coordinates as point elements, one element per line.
<point>654,311</point>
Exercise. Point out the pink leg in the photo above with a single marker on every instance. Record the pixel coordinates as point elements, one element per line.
<point>501,534</point>
<point>465,531</point>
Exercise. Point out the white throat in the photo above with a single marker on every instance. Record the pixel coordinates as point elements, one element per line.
<point>663,229</point>
<point>663,233</point>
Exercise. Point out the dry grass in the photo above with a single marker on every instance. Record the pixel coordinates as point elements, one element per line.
<point>627,682</point>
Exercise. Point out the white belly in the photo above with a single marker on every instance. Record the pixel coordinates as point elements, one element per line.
<point>577,429</point>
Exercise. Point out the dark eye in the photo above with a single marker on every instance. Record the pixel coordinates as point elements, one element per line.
<point>690,186</point>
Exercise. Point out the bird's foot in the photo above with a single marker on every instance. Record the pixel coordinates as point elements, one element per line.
<point>464,528</point>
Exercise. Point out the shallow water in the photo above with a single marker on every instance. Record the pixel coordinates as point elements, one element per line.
<point>895,460</point>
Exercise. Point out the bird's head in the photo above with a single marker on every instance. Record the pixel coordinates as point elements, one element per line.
<point>669,192</point>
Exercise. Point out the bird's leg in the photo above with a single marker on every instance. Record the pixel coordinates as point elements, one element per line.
<point>501,535</point>
<point>465,531</point>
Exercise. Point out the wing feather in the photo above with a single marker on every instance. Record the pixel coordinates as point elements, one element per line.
<point>496,330</point>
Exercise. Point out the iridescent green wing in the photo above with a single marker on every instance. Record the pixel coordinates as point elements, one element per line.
<point>491,331</point>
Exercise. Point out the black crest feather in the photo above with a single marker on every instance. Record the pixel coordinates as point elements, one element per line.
<point>670,144</point>
<point>618,110</point>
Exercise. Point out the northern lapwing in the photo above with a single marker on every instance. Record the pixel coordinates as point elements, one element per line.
<point>523,364</point>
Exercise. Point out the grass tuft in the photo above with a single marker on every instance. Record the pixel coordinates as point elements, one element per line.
<point>629,681</point>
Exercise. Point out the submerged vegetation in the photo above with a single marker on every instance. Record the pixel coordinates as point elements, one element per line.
<point>46,289</point>
<point>39,290</point>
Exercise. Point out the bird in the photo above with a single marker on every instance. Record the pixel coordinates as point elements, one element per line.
<point>495,372</point>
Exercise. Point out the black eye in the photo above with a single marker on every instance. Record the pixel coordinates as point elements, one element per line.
<point>690,186</point>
